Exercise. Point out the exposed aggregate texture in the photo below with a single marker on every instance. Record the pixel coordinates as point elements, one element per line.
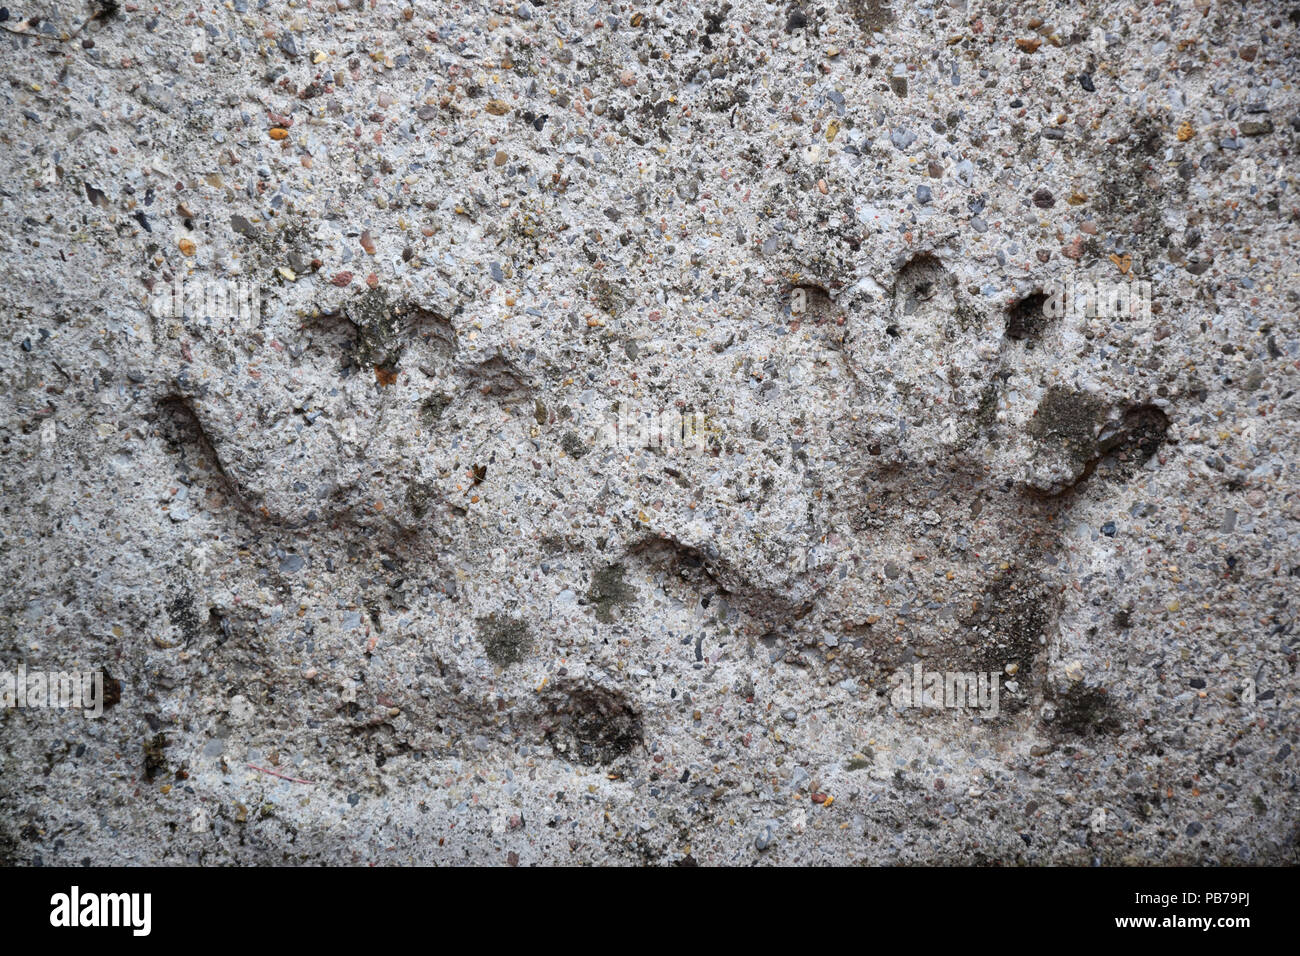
<point>372,582</point>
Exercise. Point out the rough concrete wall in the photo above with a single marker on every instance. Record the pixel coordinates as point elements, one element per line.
<point>380,567</point>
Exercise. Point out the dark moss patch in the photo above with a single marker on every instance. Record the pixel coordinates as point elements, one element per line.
<point>608,591</point>
<point>553,544</point>
<point>431,408</point>
<point>181,612</point>
<point>606,297</point>
<point>9,846</point>
<point>1026,319</point>
<point>986,414</point>
<point>591,723</point>
<point>154,759</point>
<point>1135,443</point>
<point>112,690</point>
<point>1010,620</point>
<point>418,496</point>
<point>1085,711</point>
<point>573,446</point>
<point>1128,199</point>
<point>1070,419</point>
<point>1070,416</point>
<point>377,342</point>
<point>871,16</point>
<point>506,640</point>
<point>967,315</point>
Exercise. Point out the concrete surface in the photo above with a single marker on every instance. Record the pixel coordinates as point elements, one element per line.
<point>376,572</point>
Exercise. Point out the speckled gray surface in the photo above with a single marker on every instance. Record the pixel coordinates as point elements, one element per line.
<point>376,580</point>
